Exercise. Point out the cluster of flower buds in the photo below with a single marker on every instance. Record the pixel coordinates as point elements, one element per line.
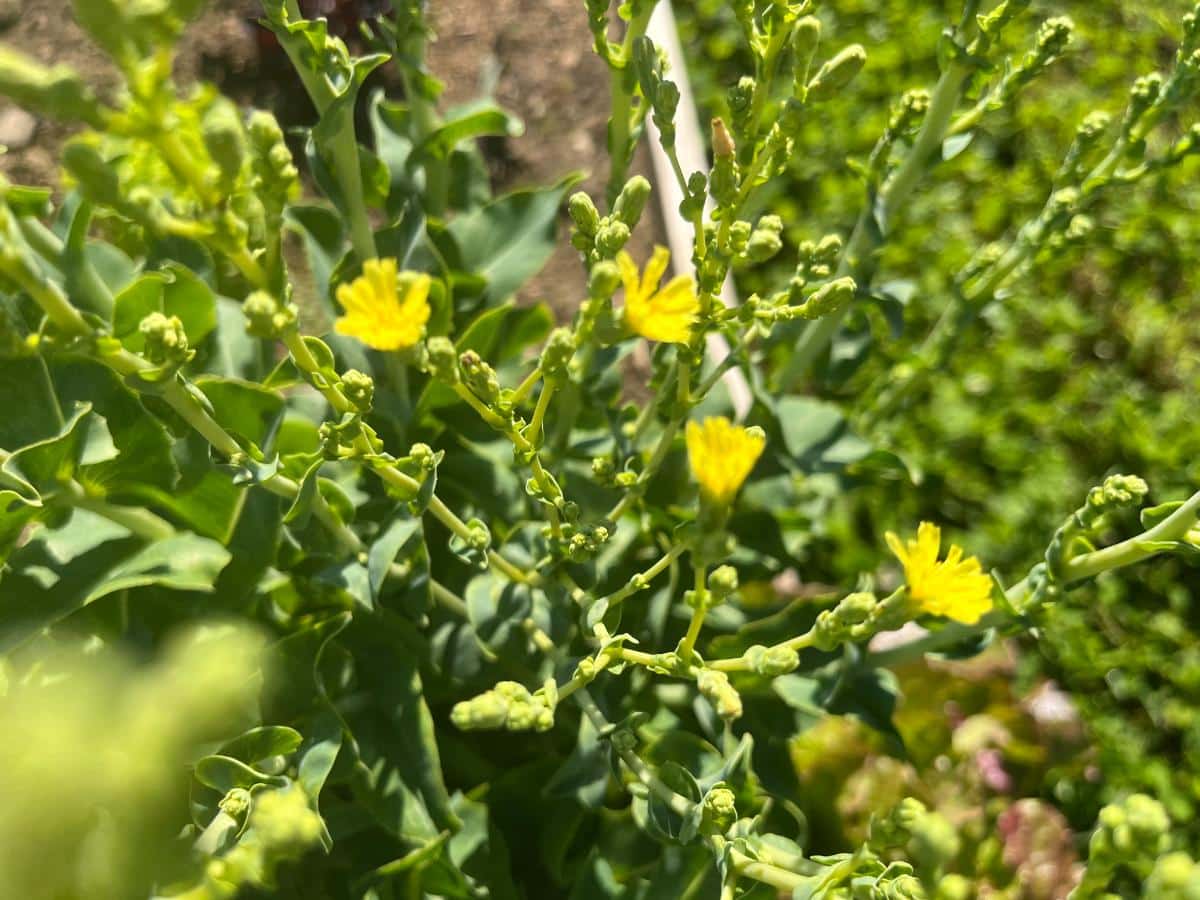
<point>274,177</point>
<point>859,617</point>
<point>267,317</point>
<point>508,705</point>
<point>1175,876</point>
<point>359,389</point>
<point>926,836</point>
<point>166,342</point>
<point>1116,493</point>
<point>719,809</point>
<point>660,91</point>
<point>472,546</point>
<point>1130,835</point>
<point>479,376</point>
<point>602,237</point>
<point>582,542</point>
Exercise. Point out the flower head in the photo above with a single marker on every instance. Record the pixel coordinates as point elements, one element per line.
<point>954,587</point>
<point>659,315</point>
<point>722,455</point>
<point>385,309</point>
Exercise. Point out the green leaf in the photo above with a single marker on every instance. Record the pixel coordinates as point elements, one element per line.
<point>64,569</point>
<point>509,240</point>
<point>324,242</point>
<point>261,743</point>
<point>223,774</point>
<point>484,118</point>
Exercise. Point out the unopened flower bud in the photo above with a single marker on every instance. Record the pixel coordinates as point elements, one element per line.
<point>602,469</point>
<point>632,200</point>
<point>715,687</point>
<point>359,389</point>
<point>442,360</point>
<point>806,35</point>
<point>722,141</point>
<point>765,242</point>
<point>479,376</point>
<point>559,349</point>
<point>829,298</point>
<point>266,317</point>
<point>423,456</point>
<point>603,280</point>
<point>837,73</point>
<point>771,662</point>
<point>487,711</point>
<point>722,583</point>
<point>224,138</point>
<point>478,536</point>
<point>236,804</point>
<point>611,236</point>
<point>720,808</point>
<point>166,341</point>
<point>583,213</point>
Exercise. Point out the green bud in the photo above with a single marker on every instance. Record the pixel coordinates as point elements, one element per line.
<point>905,887</point>
<point>479,376</point>
<point>611,236</point>
<point>266,317</point>
<point>276,178</point>
<point>422,455</point>
<point>828,298</point>
<point>602,469</point>
<point>359,389</point>
<point>765,242</point>
<point>236,804</point>
<point>806,35</point>
<point>487,711</point>
<point>771,662</point>
<point>224,138</point>
<point>583,213</point>
<point>722,583</point>
<point>739,236</point>
<point>283,820</point>
<point>632,200</point>
<point>55,91</point>
<point>954,887</point>
<point>1054,35</point>
<point>720,808</point>
<point>166,342</point>
<point>1175,877</point>
<point>603,280</point>
<point>557,353</point>
<point>442,360</point>
<point>96,176</point>
<point>715,687</point>
<point>837,73</point>
<point>478,536</point>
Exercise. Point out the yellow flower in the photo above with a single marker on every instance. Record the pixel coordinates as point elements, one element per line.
<point>658,315</point>
<point>954,587</point>
<point>385,309</point>
<point>722,455</point>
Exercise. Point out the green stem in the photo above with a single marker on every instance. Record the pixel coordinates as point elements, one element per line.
<point>621,123</point>
<point>642,580</point>
<point>857,256</point>
<point>141,522</point>
<point>687,647</point>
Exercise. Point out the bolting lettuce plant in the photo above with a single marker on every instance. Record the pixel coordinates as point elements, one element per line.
<point>522,637</point>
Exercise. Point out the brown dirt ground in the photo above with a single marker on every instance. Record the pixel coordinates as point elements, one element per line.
<point>536,53</point>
